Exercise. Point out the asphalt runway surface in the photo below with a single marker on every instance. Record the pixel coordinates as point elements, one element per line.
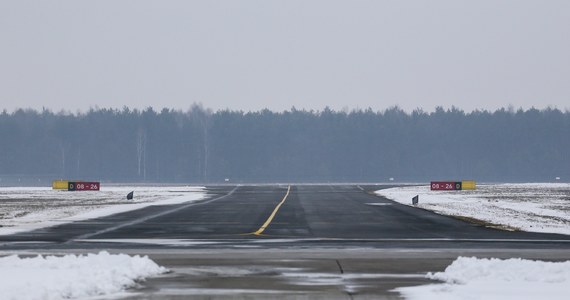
<point>288,241</point>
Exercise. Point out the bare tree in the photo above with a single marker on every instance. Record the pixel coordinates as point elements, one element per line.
<point>141,152</point>
<point>202,117</point>
<point>62,148</point>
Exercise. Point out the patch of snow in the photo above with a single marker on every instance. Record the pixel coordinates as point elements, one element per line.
<point>237,271</point>
<point>474,278</point>
<point>70,276</point>
<point>211,292</point>
<point>328,278</point>
<point>169,242</point>
<point>537,207</point>
<point>26,209</point>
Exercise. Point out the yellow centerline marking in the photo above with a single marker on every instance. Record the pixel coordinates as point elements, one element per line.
<point>268,221</point>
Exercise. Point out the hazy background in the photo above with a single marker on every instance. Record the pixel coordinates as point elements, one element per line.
<point>198,146</point>
<point>249,55</point>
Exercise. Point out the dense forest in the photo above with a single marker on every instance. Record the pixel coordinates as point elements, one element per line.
<point>201,146</point>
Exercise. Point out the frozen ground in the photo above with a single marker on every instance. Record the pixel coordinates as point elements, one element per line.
<point>31,208</point>
<point>70,276</point>
<point>473,278</point>
<point>543,207</point>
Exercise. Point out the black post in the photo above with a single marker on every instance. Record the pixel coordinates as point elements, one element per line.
<point>415,200</point>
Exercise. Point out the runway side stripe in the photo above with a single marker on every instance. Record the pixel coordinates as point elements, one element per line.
<point>268,221</point>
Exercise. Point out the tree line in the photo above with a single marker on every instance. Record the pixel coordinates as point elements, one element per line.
<point>202,146</point>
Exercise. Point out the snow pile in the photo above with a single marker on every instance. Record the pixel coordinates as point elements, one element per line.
<point>473,278</point>
<point>530,207</point>
<point>71,276</point>
<point>30,208</point>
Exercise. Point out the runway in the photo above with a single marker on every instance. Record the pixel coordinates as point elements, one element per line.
<point>284,241</point>
<point>269,216</point>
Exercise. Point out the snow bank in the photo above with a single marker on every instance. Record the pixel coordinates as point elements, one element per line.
<point>530,207</point>
<point>71,276</point>
<point>25,209</point>
<point>473,278</point>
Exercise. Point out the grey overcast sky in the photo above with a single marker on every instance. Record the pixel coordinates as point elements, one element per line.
<point>249,55</point>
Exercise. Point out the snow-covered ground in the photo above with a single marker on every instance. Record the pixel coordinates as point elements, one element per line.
<point>473,278</point>
<point>543,207</point>
<point>71,276</point>
<point>29,208</point>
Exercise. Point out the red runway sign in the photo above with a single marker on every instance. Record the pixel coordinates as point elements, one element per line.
<point>83,186</point>
<point>445,186</point>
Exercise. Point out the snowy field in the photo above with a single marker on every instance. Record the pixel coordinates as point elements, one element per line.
<point>543,207</point>
<point>30,208</point>
<point>488,279</point>
<point>71,277</point>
